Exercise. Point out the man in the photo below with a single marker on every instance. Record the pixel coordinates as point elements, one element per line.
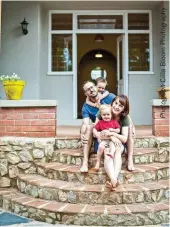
<point>89,117</point>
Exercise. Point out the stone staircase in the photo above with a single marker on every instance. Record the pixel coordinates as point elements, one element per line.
<point>58,193</point>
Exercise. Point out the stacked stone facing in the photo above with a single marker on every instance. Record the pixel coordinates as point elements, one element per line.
<point>50,187</point>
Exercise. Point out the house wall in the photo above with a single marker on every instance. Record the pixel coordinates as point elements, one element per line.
<point>20,53</point>
<point>31,60</point>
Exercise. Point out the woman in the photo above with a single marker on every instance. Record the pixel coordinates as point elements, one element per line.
<point>120,110</point>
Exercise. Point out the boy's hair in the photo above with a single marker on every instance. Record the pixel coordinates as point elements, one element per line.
<point>123,99</point>
<point>104,107</point>
<point>100,80</point>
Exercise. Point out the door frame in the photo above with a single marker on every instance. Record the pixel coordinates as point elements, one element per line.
<point>124,81</point>
<point>76,31</point>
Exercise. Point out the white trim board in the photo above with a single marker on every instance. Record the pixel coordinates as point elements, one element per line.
<point>76,31</point>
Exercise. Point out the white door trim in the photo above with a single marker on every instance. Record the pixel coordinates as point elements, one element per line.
<point>76,31</point>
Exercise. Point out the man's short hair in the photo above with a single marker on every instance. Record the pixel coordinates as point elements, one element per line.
<point>88,81</point>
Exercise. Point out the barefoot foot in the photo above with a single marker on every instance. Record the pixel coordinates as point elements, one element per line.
<point>97,166</point>
<point>130,166</point>
<point>84,168</point>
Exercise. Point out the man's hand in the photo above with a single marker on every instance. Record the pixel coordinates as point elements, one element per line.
<point>98,138</point>
<point>84,139</point>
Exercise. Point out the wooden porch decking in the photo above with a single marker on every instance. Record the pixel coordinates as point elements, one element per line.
<point>74,131</point>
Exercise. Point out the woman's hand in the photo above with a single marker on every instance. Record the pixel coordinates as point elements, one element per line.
<point>116,141</point>
<point>104,133</point>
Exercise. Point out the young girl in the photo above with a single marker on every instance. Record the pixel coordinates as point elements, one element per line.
<point>105,124</point>
<point>101,84</point>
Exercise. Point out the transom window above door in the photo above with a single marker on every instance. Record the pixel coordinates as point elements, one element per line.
<point>100,21</point>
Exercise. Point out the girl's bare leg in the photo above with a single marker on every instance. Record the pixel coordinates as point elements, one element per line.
<point>118,160</point>
<point>109,167</point>
<point>111,150</point>
<point>99,155</point>
<point>130,143</point>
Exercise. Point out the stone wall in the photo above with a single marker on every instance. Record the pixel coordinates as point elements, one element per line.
<point>19,155</point>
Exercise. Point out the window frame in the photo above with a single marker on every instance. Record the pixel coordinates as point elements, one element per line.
<point>149,32</point>
<point>76,31</point>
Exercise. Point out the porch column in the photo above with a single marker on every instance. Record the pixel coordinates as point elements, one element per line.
<point>160,117</point>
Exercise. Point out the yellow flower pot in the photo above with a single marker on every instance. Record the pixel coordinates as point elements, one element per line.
<point>13,89</point>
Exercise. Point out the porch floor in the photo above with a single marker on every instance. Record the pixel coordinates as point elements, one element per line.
<point>74,131</point>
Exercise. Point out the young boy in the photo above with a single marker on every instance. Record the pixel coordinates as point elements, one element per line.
<point>101,84</point>
<point>105,124</point>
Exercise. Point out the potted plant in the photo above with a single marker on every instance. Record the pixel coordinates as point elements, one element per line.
<point>164,92</point>
<point>13,86</point>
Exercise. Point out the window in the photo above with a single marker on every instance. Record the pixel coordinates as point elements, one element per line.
<point>61,53</point>
<point>61,43</point>
<point>100,22</point>
<point>138,21</point>
<point>139,52</point>
<point>61,22</point>
<point>139,42</point>
<point>137,27</point>
<point>98,72</point>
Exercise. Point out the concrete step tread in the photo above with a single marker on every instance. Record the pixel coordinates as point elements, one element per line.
<point>79,152</point>
<point>44,182</point>
<point>77,137</point>
<point>58,207</point>
<point>76,169</point>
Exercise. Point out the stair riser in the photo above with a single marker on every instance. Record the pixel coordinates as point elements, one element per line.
<point>90,218</point>
<point>107,197</point>
<point>137,159</point>
<point>92,178</point>
<point>75,144</point>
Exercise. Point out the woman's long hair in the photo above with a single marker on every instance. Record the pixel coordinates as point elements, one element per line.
<point>124,101</point>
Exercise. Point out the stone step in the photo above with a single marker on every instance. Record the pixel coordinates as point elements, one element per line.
<point>73,142</point>
<point>141,155</point>
<point>143,173</point>
<point>83,214</point>
<point>71,192</point>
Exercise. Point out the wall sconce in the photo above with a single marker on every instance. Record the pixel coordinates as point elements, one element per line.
<point>24,25</point>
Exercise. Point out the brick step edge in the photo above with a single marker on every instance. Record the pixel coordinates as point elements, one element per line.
<point>75,157</point>
<point>81,214</point>
<point>58,171</point>
<point>74,142</point>
<point>68,192</point>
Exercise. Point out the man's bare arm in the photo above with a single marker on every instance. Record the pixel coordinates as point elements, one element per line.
<point>85,123</point>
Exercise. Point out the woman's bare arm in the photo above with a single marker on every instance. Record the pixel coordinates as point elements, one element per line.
<point>122,137</point>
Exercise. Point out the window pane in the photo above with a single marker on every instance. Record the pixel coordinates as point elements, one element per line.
<point>98,72</point>
<point>61,21</point>
<point>100,22</point>
<point>61,53</point>
<point>138,21</point>
<point>139,52</point>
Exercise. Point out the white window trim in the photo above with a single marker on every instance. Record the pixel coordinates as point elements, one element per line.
<point>76,31</point>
